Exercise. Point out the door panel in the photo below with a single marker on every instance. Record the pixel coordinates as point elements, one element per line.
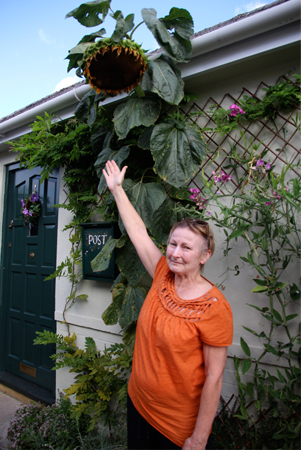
<point>29,257</point>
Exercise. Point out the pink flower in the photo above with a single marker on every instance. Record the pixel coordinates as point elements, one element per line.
<point>198,199</point>
<point>268,166</point>
<point>220,177</point>
<point>260,162</point>
<point>275,194</point>
<point>235,110</point>
<point>269,203</point>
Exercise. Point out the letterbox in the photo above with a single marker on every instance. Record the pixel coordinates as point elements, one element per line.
<point>94,237</point>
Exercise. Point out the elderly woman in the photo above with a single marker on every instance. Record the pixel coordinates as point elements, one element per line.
<point>183,331</point>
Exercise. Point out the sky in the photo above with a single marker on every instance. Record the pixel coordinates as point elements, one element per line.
<point>35,38</point>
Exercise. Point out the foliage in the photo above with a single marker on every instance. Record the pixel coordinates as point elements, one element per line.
<point>35,426</point>
<point>263,212</point>
<point>229,431</point>
<point>284,96</point>
<point>100,386</point>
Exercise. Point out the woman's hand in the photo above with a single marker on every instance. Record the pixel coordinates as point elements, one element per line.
<point>191,444</point>
<point>113,175</point>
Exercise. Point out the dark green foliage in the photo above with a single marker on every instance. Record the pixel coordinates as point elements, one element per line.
<point>230,432</point>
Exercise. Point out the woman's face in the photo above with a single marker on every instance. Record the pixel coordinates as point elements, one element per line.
<point>185,252</point>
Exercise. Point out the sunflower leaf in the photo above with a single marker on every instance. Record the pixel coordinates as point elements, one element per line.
<point>178,150</point>
<point>135,112</point>
<point>123,26</point>
<point>177,44</point>
<point>164,78</point>
<point>87,14</point>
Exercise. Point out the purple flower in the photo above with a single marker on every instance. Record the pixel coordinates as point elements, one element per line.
<point>220,177</point>
<point>22,203</point>
<point>269,203</point>
<point>268,166</point>
<point>25,212</point>
<point>235,110</point>
<point>260,162</point>
<point>209,213</point>
<point>34,197</point>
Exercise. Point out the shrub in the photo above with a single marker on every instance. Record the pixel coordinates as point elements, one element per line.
<point>35,426</point>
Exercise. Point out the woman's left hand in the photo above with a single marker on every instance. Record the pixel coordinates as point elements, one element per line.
<point>193,444</point>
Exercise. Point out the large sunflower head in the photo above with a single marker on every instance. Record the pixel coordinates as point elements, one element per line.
<point>112,67</point>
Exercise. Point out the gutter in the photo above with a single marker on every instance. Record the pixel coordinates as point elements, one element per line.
<point>256,24</point>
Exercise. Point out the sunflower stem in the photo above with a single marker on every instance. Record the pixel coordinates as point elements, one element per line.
<point>137,26</point>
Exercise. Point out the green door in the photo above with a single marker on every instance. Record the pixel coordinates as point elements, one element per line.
<point>29,257</point>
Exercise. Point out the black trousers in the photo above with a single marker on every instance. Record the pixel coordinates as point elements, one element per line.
<point>142,436</point>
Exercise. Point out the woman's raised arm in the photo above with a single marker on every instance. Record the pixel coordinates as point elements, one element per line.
<point>134,225</point>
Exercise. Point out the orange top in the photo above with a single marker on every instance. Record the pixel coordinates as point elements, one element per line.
<point>168,367</point>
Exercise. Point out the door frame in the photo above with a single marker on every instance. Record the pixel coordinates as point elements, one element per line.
<point>19,384</point>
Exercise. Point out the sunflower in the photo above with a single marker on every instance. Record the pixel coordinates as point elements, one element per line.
<point>114,67</point>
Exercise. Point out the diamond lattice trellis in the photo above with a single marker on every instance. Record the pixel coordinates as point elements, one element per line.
<point>280,137</point>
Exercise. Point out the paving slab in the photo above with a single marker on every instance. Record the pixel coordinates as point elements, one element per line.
<point>8,407</point>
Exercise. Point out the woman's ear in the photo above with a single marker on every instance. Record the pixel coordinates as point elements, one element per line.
<point>206,254</point>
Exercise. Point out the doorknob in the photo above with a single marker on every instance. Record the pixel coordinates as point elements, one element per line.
<point>31,255</point>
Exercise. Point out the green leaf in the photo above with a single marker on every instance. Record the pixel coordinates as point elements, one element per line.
<point>281,377</point>
<point>236,233</point>
<point>164,78</point>
<point>177,45</point>
<point>135,112</point>
<point>291,317</point>
<point>163,220</point>
<point>296,188</point>
<point>129,336</point>
<point>259,289</point>
<point>91,37</point>
<point>145,137</point>
<point>123,26</point>
<point>102,260</point>
<point>132,303</point>
<point>180,194</point>
<point>129,263</point>
<point>271,349</point>
<point>177,152</point>
<point>87,14</point>
<point>111,314</point>
<point>260,282</point>
<point>245,347</point>
<point>75,55</point>
<point>246,366</point>
<point>100,132</point>
<point>251,331</point>
<point>108,154</point>
<point>295,292</point>
<point>145,197</point>
<point>276,315</point>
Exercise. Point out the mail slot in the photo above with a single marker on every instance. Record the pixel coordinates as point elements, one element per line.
<point>94,237</point>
